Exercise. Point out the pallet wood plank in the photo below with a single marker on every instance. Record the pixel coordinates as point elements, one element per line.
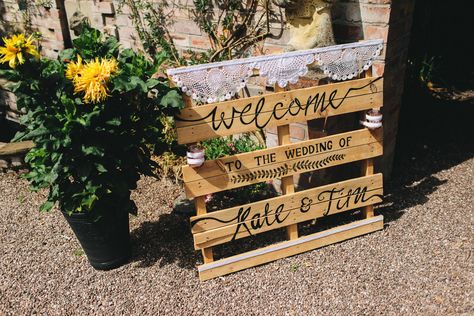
<point>197,115</point>
<point>261,165</point>
<point>199,201</point>
<point>287,183</point>
<point>368,169</point>
<point>255,218</point>
<point>200,204</point>
<point>15,148</point>
<point>280,108</point>
<point>289,248</point>
<point>225,217</point>
<point>368,166</point>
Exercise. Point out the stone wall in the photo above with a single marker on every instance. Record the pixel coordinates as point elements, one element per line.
<point>353,20</point>
<point>187,35</point>
<point>18,15</point>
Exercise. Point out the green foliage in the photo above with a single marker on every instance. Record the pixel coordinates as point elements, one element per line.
<point>233,27</point>
<point>151,24</point>
<point>91,155</point>
<point>428,69</point>
<point>226,146</point>
<point>78,252</point>
<point>294,267</point>
<point>91,44</point>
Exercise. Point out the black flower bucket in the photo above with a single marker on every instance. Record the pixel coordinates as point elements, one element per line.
<point>105,240</point>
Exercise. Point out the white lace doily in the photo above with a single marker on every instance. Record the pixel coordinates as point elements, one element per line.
<point>220,81</point>
<point>347,63</point>
<point>284,70</point>
<point>214,84</point>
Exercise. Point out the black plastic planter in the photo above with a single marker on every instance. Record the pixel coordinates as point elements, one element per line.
<point>106,241</point>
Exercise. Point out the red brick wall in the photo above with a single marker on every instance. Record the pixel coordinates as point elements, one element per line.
<point>353,20</point>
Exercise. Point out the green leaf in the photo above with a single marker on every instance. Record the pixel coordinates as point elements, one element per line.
<point>160,58</point>
<point>81,121</point>
<point>14,86</point>
<point>8,73</point>
<point>127,84</point>
<point>151,83</point>
<point>89,201</point>
<point>100,167</point>
<point>116,121</point>
<point>92,150</point>
<point>172,99</point>
<point>67,54</point>
<point>110,47</point>
<point>46,206</point>
<point>126,54</point>
<point>32,135</point>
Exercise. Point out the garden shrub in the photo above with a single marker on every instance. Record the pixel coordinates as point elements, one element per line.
<point>92,113</point>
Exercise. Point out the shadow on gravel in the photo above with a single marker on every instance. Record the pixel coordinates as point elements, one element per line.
<point>434,135</point>
<point>165,241</point>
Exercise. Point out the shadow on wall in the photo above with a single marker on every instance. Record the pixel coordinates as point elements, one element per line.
<point>7,27</point>
<point>347,22</point>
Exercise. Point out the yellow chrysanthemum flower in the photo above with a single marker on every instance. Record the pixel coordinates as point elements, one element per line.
<point>15,48</point>
<point>92,79</point>
<point>74,68</point>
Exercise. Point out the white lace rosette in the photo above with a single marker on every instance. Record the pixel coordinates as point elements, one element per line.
<point>214,84</point>
<point>284,70</point>
<point>220,81</point>
<point>347,63</point>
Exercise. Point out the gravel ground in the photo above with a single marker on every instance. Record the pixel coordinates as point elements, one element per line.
<point>421,263</point>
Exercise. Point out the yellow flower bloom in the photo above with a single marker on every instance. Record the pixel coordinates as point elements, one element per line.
<point>92,79</point>
<point>74,68</point>
<point>15,48</point>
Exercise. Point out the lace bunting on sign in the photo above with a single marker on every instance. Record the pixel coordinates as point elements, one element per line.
<point>215,84</point>
<point>220,81</point>
<point>347,63</point>
<point>284,70</point>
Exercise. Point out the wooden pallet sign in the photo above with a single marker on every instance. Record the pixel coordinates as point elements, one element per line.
<point>281,108</point>
<point>213,84</point>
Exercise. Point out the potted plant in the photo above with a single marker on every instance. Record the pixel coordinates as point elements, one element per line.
<point>95,115</point>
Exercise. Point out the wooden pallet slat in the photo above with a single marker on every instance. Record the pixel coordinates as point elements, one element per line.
<point>368,164</point>
<point>250,219</point>
<point>289,248</point>
<point>281,108</point>
<point>199,201</point>
<point>225,217</point>
<point>286,160</point>
<point>287,182</point>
